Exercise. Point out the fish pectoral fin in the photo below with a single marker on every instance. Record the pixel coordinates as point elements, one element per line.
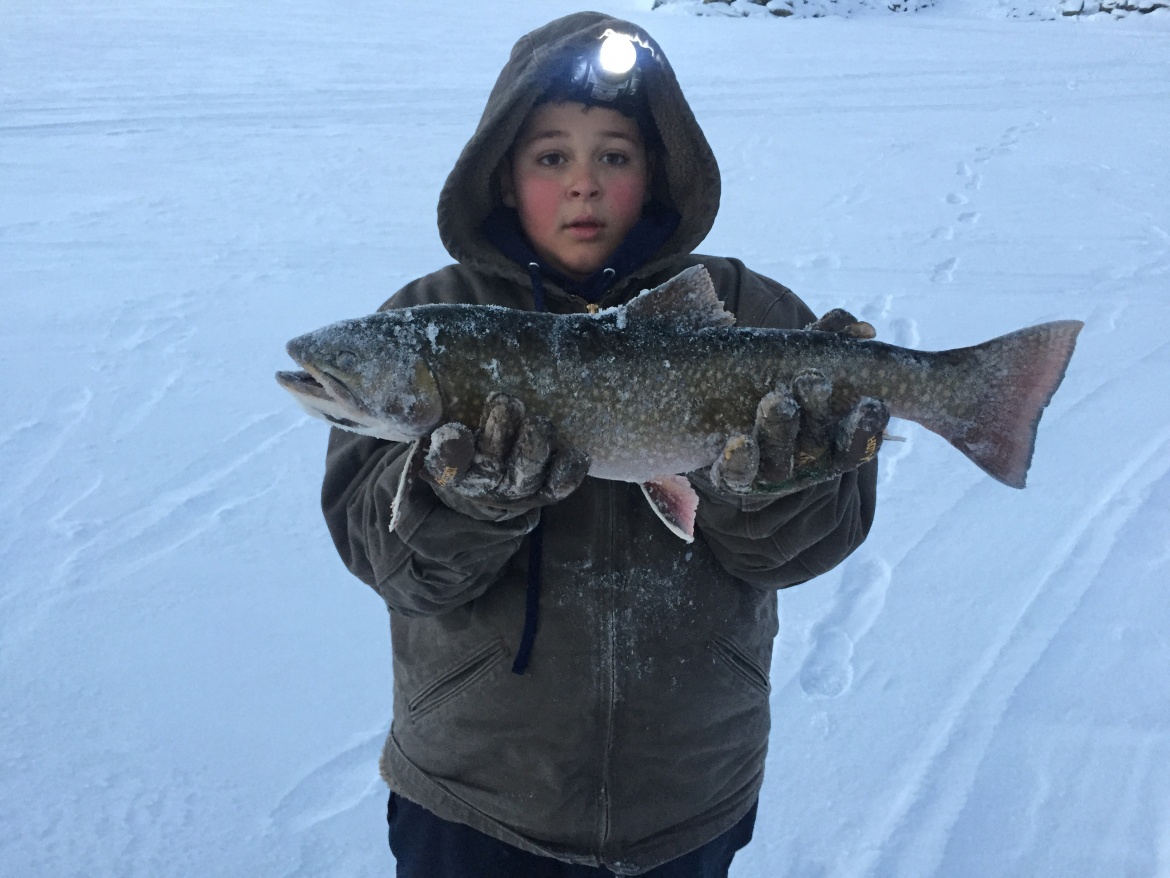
<point>674,500</point>
<point>415,455</point>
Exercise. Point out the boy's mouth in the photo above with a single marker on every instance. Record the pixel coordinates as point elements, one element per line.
<point>585,228</point>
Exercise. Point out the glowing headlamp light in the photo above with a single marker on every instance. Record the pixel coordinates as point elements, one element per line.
<point>617,55</point>
<point>611,71</point>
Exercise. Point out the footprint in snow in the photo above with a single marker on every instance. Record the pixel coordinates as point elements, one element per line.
<point>944,272</point>
<point>972,179</point>
<point>903,331</point>
<point>827,671</point>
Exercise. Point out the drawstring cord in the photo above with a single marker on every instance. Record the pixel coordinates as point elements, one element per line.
<point>535,539</point>
<point>537,286</point>
<point>531,600</point>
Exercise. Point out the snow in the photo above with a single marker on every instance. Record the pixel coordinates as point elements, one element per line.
<point>192,684</point>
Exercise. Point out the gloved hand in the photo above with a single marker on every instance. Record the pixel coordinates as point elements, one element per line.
<point>798,440</point>
<point>512,462</point>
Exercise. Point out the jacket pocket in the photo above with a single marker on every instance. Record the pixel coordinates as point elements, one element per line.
<point>455,680</point>
<point>740,663</point>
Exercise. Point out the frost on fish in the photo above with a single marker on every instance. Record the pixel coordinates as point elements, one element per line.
<point>653,389</point>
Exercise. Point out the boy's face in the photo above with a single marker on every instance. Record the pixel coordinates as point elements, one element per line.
<point>578,178</point>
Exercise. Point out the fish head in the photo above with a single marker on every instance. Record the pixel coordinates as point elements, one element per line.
<point>367,376</point>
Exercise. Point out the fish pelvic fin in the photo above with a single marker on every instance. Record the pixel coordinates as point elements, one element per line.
<point>1010,380</point>
<point>674,500</point>
<point>687,299</point>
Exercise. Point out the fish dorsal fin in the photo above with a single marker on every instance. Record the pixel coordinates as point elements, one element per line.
<point>688,298</point>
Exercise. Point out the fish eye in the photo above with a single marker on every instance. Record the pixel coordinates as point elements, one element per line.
<point>346,361</point>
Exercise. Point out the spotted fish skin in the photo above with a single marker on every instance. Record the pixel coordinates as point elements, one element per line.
<point>655,387</point>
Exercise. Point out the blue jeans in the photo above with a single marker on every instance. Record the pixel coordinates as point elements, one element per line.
<point>427,846</point>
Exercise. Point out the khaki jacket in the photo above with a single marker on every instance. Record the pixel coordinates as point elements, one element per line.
<point>639,730</point>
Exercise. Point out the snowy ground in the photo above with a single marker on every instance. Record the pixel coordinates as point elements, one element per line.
<point>190,682</point>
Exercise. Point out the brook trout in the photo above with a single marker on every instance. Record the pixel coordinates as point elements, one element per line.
<point>654,388</point>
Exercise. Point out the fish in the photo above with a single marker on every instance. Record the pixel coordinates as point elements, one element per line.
<point>653,389</point>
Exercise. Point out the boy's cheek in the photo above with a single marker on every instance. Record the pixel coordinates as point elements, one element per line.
<point>628,199</point>
<point>539,199</point>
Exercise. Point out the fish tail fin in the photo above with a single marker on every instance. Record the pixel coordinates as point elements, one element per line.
<point>1007,383</point>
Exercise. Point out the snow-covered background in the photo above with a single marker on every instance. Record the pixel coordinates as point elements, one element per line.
<point>1035,10</point>
<point>190,682</point>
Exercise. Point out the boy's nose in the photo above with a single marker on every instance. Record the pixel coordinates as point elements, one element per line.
<point>584,185</point>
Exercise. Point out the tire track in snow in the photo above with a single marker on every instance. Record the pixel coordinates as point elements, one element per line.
<point>908,839</point>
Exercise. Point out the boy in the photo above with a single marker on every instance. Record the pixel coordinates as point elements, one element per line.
<point>626,732</point>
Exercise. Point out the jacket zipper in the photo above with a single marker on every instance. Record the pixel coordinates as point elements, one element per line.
<point>592,307</point>
<point>608,670</point>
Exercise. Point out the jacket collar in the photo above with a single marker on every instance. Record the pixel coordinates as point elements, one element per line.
<point>502,229</point>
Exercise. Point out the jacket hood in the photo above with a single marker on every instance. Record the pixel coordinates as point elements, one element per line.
<point>686,180</point>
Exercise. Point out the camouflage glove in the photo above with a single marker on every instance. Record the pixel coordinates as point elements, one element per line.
<point>799,439</point>
<point>511,463</point>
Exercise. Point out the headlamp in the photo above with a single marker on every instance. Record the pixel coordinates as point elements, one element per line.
<point>612,70</point>
<point>617,55</point>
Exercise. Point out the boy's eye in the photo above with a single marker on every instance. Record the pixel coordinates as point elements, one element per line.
<point>615,158</point>
<point>550,160</point>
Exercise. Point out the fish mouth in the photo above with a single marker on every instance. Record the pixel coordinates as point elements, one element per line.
<point>302,384</point>
<point>329,398</point>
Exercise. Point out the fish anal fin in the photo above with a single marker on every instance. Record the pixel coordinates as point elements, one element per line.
<point>674,500</point>
<point>688,298</point>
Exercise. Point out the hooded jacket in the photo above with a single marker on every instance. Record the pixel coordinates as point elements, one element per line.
<point>639,730</point>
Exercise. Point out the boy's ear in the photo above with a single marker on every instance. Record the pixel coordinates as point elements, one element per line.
<point>507,184</point>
